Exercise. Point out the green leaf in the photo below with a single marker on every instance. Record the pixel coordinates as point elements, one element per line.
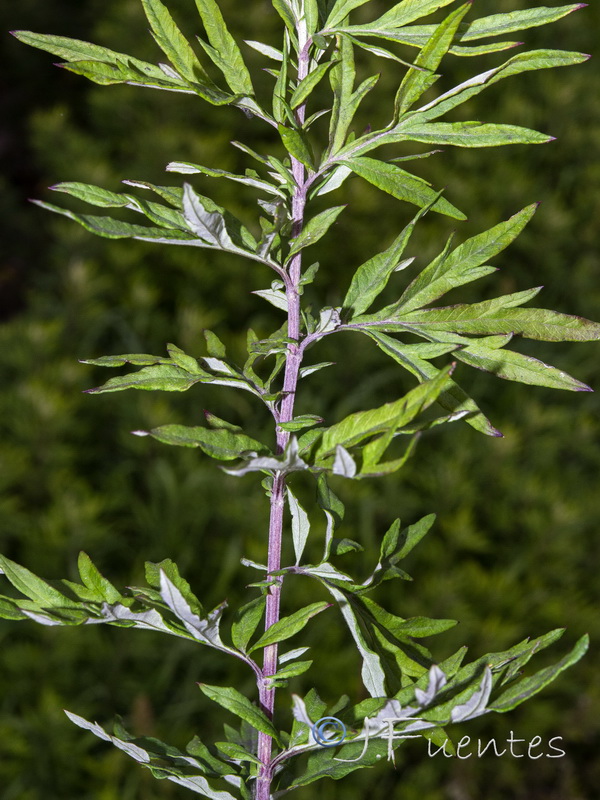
<point>448,271</point>
<point>530,686</point>
<point>371,278</point>
<point>306,86</point>
<point>498,316</point>
<point>236,752</point>
<point>300,525</point>
<point>95,581</point>
<point>75,50</point>
<point>400,184</point>
<point>468,134</point>
<point>417,627</point>
<point>341,79</point>
<point>289,626</point>
<point>209,222</point>
<point>221,443</point>
<point>31,586</point>
<point>358,426</point>
<point>246,621</point>
<point>238,704</point>
<point>164,377</point>
<point>417,81</point>
<point>453,399</point>
<point>404,12</point>
<point>523,62</point>
<point>291,670</point>
<point>94,195</point>
<point>518,367</point>
<point>315,229</point>
<point>340,10</point>
<point>502,24</point>
<point>110,228</point>
<point>231,62</point>
<point>297,145</point>
<point>172,42</point>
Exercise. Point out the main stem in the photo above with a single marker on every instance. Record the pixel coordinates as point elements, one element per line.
<point>286,413</point>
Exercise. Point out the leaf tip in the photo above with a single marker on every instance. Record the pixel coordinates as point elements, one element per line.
<point>140,433</point>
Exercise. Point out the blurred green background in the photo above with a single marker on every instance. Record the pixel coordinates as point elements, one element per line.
<point>515,549</point>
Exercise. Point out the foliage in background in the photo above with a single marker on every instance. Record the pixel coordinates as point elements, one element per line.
<point>69,492</point>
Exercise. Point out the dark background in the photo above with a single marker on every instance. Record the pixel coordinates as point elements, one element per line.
<point>514,552</point>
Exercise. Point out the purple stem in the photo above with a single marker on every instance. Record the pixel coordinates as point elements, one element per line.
<point>286,413</point>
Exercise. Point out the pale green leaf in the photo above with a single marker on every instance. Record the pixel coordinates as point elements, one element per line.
<point>523,62</point>
<point>300,525</point>
<point>498,316</point>
<point>340,11</point>
<point>287,627</point>
<point>400,184</point>
<point>513,21</point>
<point>265,49</point>
<point>110,228</point>
<point>341,78</point>
<point>163,377</point>
<point>371,278</point>
<point>408,11</point>
<point>188,168</point>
